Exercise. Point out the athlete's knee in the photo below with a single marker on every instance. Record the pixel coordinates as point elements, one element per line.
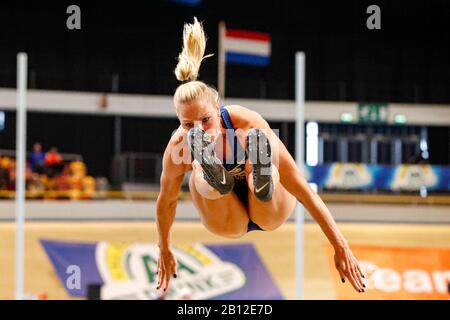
<point>207,191</point>
<point>202,187</point>
<point>275,176</point>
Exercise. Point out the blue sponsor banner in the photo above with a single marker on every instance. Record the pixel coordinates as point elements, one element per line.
<point>364,177</point>
<point>249,261</point>
<point>210,271</point>
<point>65,254</point>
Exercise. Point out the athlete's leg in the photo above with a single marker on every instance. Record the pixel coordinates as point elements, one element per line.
<point>223,215</point>
<point>269,215</point>
<point>270,204</point>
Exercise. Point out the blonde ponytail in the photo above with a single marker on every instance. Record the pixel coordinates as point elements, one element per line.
<point>189,61</point>
<point>190,58</point>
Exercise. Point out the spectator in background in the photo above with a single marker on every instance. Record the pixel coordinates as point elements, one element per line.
<point>12,174</point>
<point>4,172</point>
<point>37,158</point>
<point>53,162</point>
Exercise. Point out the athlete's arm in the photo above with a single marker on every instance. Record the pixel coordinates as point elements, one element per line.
<point>171,179</point>
<point>294,182</point>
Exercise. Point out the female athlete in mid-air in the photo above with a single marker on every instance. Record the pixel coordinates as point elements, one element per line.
<point>243,178</point>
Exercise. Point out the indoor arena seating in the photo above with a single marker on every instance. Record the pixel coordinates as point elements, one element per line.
<point>70,182</point>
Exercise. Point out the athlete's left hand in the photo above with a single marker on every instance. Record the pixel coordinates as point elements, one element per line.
<point>348,268</point>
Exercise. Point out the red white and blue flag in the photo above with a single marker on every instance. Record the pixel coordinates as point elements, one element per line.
<point>247,47</point>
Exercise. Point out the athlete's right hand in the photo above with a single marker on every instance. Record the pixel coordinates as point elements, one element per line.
<point>167,266</point>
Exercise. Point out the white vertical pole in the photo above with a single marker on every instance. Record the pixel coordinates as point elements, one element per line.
<point>299,156</point>
<point>221,62</point>
<point>21,122</point>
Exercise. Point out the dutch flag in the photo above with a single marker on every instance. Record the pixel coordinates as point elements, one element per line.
<point>247,47</point>
<point>241,47</point>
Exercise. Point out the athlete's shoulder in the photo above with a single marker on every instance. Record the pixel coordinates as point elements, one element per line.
<point>243,117</point>
<point>236,109</point>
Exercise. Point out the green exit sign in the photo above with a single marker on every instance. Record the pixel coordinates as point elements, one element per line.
<point>373,112</point>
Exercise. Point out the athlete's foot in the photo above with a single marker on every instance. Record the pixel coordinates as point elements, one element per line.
<point>202,149</point>
<point>260,156</point>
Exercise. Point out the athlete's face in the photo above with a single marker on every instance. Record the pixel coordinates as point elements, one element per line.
<point>201,114</point>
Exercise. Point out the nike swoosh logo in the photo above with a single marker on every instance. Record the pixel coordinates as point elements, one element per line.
<point>223,179</point>
<point>258,190</point>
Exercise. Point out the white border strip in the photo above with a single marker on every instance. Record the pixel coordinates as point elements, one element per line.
<point>261,48</point>
<point>162,106</point>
